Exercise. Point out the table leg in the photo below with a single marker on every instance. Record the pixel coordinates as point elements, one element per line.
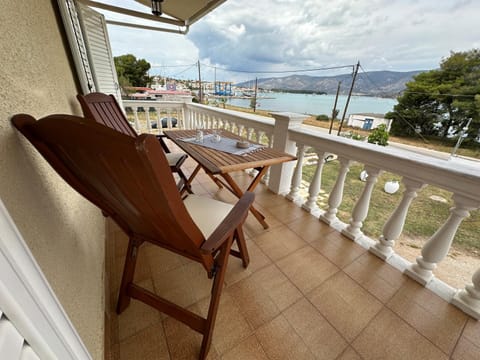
<point>235,189</point>
<point>195,172</point>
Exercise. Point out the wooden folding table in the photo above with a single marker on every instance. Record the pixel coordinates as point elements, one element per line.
<point>218,163</point>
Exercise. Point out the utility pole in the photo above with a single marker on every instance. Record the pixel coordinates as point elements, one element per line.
<point>334,110</point>
<point>200,94</point>
<point>348,99</point>
<point>255,98</point>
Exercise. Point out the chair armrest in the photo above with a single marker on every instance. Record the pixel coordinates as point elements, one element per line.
<point>161,138</point>
<point>233,220</point>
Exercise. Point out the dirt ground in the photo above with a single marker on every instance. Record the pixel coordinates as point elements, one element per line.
<point>456,269</point>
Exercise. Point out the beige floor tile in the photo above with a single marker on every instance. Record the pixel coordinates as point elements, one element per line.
<point>309,228</point>
<point>248,349</point>
<point>274,283</point>
<point>346,305</point>
<point>430,315</point>
<point>389,337</point>
<point>468,347</point>
<point>375,275</point>
<point>306,268</point>
<point>198,280</point>
<point>235,269</point>
<point>183,342</point>
<point>231,327</point>
<point>137,316</point>
<point>320,337</point>
<point>338,249</point>
<point>149,344</point>
<point>175,285</point>
<point>279,242</point>
<point>472,331</point>
<point>266,198</point>
<point>466,350</point>
<point>288,212</point>
<point>252,226</point>
<point>255,304</point>
<point>162,260</point>
<point>349,354</point>
<point>280,341</point>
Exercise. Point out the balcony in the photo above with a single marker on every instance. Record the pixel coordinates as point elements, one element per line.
<point>316,287</point>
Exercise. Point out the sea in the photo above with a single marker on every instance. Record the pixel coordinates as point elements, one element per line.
<point>317,104</point>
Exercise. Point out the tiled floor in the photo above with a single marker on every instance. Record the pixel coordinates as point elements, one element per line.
<point>309,293</point>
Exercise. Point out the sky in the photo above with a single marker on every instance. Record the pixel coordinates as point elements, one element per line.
<point>286,35</point>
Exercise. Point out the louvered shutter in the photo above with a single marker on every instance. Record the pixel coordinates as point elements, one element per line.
<point>99,52</point>
<point>73,30</point>
<point>12,344</point>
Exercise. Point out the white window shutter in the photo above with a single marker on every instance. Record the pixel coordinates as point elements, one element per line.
<point>77,44</point>
<point>12,345</point>
<point>99,52</point>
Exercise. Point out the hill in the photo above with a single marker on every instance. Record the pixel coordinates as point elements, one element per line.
<point>373,83</point>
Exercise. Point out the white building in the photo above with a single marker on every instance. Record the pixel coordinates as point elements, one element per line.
<point>368,121</point>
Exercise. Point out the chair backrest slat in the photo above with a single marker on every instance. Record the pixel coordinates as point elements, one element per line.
<point>104,109</point>
<point>124,176</point>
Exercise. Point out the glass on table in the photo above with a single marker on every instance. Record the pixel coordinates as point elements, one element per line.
<point>216,136</point>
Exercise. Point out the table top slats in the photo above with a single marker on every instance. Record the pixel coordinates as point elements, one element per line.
<point>219,162</point>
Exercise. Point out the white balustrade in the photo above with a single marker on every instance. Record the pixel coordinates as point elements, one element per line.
<point>314,188</point>
<point>394,225</point>
<point>297,174</point>
<point>286,133</point>
<point>437,247</point>
<point>360,210</point>
<point>468,299</point>
<point>336,195</point>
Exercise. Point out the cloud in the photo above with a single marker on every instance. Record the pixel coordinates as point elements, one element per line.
<point>253,35</point>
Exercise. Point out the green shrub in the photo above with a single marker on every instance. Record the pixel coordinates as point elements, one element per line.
<point>322,117</point>
<point>379,135</point>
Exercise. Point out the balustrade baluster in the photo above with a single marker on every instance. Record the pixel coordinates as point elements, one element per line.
<point>297,173</point>
<point>147,117</point>
<point>240,130</point>
<point>135,116</point>
<point>249,133</point>
<point>394,225</point>
<point>182,123</point>
<point>468,299</point>
<point>360,210</point>
<point>314,188</point>
<point>437,247</point>
<point>260,134</point>
<point>336,195</point>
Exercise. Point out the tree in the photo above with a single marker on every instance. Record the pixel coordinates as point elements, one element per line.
<point>132,72</point>
<point>440,102</point>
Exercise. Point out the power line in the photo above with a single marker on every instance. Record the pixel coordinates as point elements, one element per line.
<point>279,71</point>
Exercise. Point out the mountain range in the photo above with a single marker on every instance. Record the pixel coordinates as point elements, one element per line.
<point>373,83</point>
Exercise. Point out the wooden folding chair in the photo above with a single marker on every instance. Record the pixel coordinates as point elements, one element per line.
<point>125,177</point>
<point>104,109</point>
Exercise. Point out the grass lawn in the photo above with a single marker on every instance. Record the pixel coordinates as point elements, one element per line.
<point>425,215</point>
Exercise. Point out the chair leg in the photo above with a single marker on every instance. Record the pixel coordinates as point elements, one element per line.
<point>215,299</point>
<point>127,277</point>
<point>186,185</point>
<point>242,246</point>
